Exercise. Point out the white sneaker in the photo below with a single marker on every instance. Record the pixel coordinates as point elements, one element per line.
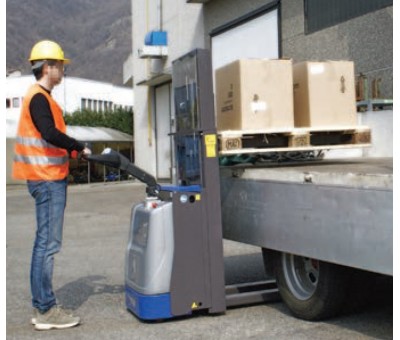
<point>55,317</point>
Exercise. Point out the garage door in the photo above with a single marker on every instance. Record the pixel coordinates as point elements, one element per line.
<point>255,35</point>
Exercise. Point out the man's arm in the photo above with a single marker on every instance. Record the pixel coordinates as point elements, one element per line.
<point>43,119</point>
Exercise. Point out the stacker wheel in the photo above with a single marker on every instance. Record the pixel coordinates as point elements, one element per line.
<point>312,289</point>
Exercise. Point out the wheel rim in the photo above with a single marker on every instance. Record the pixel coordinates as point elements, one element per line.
<point>301,275</point>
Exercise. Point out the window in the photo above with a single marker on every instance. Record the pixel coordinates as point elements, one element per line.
<point>8,103</point>
<point>98,105</point>
<point>15,102</point>
<point>320,14</point>
<point>108,106</point>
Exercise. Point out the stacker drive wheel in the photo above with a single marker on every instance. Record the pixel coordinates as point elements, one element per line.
<point>312,289</point>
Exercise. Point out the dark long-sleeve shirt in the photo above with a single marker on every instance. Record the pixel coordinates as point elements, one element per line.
<point>43,119</point>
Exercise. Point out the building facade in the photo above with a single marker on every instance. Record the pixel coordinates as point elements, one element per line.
<point>295,29</point>
<point>72,94</point>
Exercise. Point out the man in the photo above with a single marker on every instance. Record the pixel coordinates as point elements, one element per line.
<point>42,158</point>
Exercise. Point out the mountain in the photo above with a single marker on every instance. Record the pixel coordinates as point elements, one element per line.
<point>95,34</point>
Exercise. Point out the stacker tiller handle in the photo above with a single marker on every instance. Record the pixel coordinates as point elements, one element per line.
<point>114,159</point>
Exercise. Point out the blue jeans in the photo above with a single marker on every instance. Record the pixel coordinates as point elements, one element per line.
<point>50,200</point>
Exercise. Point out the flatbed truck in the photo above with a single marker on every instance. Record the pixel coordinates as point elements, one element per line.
<point>315,222</point>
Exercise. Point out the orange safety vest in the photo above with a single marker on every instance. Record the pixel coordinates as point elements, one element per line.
<point>35,158</point>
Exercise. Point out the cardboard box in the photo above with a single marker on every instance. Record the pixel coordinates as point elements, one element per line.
<point>254,94</point>
<point>324,94</point>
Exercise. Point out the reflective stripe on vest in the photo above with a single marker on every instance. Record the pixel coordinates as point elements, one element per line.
<point>41,160</point>
<point>31,141</point>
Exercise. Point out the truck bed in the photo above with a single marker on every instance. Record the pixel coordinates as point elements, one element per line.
<point>339,211</point>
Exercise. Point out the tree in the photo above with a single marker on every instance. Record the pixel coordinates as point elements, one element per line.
<point>118,119</point>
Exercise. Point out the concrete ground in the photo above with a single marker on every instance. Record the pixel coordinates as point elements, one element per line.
<point>89,279</point>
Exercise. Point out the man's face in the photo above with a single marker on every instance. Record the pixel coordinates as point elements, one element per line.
<point>55,71</point>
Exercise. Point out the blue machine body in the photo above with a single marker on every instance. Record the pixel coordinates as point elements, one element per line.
<point>149,256</point>
<point>148,307</point>
<point>181,188</point>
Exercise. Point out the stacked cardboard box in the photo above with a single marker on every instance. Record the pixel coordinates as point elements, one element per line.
<point>263,94</point>
<point>324,94</point>
<point>254,94</point>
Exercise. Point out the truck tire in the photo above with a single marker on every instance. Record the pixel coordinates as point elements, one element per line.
<point>311,289</point>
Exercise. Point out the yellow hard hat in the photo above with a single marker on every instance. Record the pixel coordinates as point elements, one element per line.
<point>47,49</point>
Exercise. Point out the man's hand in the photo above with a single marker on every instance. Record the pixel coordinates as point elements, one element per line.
<point>78,155</point>
<point>86,151</point>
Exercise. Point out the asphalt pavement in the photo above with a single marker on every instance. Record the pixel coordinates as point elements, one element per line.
<point>89,279</point>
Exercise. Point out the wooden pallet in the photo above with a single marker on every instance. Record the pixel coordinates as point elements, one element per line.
<point>296,139</point>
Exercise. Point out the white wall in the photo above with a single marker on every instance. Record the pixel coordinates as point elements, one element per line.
<point>184,25</point>
<point>381,124</point>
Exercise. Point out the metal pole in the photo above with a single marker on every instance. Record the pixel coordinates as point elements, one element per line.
<point>65,93</point>
<point>88,165</point>
<point>161,15</point>
<point>119,170</point>
<point>104,167</point>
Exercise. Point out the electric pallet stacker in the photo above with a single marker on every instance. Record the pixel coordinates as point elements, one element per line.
<point>174,259</point>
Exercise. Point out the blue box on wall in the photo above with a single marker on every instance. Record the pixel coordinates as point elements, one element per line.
<point>156,38</point>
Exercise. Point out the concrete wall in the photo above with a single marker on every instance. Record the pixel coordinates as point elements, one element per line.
<point>184,24</point>
<point>367,40</point>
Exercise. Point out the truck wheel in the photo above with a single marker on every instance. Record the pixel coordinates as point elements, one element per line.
<point>312,289</point>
